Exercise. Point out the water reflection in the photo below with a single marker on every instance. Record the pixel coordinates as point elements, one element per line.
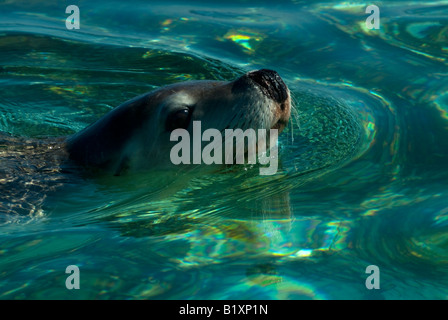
<point>363,170</point>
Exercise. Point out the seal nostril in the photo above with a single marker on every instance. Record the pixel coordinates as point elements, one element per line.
<point>270,83</point>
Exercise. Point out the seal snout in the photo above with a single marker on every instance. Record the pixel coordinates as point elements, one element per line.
<point>270,83</point>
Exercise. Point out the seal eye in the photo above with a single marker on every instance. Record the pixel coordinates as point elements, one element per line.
<point>179,119</point>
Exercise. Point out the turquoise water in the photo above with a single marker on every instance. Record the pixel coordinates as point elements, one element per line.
<point>308,232</point>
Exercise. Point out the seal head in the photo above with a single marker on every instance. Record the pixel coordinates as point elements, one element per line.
<point>136,134</point>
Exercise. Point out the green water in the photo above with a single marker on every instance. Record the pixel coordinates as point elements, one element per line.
<point>308,232</point>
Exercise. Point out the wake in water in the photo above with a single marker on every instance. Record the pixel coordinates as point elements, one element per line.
<point>29,170</point>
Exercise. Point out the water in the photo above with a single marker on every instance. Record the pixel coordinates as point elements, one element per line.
<point>308,232</point>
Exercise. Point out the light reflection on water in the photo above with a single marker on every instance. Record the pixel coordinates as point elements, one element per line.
<point>362,178</point>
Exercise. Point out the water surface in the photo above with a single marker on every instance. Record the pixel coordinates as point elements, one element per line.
<point>308,232</point>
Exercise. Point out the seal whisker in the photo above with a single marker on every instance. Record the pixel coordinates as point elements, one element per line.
<point>295,111</point>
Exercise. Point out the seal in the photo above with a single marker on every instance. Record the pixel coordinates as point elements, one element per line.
<point>136,134</point>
